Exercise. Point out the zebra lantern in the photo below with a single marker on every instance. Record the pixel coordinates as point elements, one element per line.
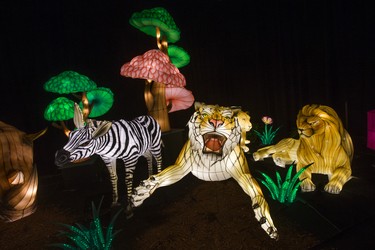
<point>125,140</point>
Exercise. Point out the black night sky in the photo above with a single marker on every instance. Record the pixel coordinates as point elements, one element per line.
<point>270,57</point>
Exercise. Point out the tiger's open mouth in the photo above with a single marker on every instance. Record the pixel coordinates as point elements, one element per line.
<point>213,143</point>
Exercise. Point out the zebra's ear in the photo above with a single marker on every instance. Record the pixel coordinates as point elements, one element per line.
<point>102,129</point>
<point>78,117</point>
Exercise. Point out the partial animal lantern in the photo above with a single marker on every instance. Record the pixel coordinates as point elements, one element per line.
<point>18,173</point>
<point>245,124</point>
<point>125,140</point>
<point>212,153</point>
<point>322,141</point>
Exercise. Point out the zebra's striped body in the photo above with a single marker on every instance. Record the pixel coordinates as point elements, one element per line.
<point>125,140</point>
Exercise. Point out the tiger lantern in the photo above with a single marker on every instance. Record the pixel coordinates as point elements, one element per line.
<point>213,152</point>
<point>18,173</point>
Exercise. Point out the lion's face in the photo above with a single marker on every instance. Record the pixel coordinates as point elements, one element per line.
<point>214,129</point>
<point>313,119</point>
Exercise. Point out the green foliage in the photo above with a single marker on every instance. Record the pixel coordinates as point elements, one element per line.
<point>284,192</point>
<point>92,238</point>
<point>267,136</point>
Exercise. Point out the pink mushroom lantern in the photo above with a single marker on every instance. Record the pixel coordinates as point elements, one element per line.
<point>178,98</point>
<point>155,67</point>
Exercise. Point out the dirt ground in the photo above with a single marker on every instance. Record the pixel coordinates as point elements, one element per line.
<point>191,215</point>
<point>194,214</point>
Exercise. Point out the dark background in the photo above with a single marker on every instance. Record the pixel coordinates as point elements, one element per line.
<point>270,57</point>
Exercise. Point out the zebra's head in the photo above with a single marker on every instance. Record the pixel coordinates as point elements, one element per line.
<point>82,141</point>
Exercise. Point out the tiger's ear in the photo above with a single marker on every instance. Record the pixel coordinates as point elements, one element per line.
<point>198,105</point>
<point>236,109</point>
<point>102,129</point>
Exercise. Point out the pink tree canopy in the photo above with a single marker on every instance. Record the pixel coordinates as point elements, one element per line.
<point>178,98</point>
<point>154,65</point>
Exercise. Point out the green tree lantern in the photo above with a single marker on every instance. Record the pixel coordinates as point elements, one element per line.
<point>71,82</point>
<point>178,56</point>
<point>100,101</point>
<point>59,110</point>
<point>157,22</point>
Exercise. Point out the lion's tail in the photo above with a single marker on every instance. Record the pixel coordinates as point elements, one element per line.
<point>347,144</point>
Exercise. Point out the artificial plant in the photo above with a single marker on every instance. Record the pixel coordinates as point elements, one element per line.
<point>284,192</point>
<point>268,134</point>
<point>92,237</point>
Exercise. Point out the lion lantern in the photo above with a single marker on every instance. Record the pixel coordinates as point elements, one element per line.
<point>322,141</point>
<point>18,174</point>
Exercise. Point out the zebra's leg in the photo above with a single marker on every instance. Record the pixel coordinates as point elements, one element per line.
<point>158,159</point>
<point>129,173</point>
<point>148,157</point>
<point>111,166</point>
<point>156,153</point>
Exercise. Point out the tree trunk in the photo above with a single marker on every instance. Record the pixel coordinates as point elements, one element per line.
<point>157,105</point>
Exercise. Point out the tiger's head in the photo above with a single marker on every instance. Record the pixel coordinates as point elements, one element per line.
<point>214,129</point>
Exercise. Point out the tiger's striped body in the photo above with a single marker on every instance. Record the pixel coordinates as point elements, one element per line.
<point>125,140</point>
<point>212,153</point>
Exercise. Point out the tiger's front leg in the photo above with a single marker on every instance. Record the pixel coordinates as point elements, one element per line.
<point>240,172</point>
<point>167,177</point>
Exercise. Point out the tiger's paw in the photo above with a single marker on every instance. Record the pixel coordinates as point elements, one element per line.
<point>262,214</point>
<point>143,191</point>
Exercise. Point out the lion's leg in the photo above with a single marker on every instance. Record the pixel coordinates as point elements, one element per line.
<point>168,176</point>
<point>307,185</point>
<point>262,153</point>
<point>339,177</point>
<point>241,174</point>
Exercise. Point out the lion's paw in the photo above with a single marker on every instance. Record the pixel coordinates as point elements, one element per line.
<point>307,186</point>
<point>143,191</point>
<point>279,162</point>
<point>332,188</point>
<point>257,156</point>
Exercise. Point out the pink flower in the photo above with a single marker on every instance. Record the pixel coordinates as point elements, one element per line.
<point>267,120</point>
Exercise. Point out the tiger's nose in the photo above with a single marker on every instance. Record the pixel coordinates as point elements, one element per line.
<point>216,123</point>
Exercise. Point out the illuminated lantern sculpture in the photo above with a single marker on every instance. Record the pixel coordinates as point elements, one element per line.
<point>18,173</point>
<point>112,141</point>
<point>178,98</point>
<point>94,101</point>
<point>178,56</point>
<point>154,66</point>
<point>60,110</point>
<point>322,141</point>
<point>159,67</point>
<point>212,153</point>
<point>71,82</point>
